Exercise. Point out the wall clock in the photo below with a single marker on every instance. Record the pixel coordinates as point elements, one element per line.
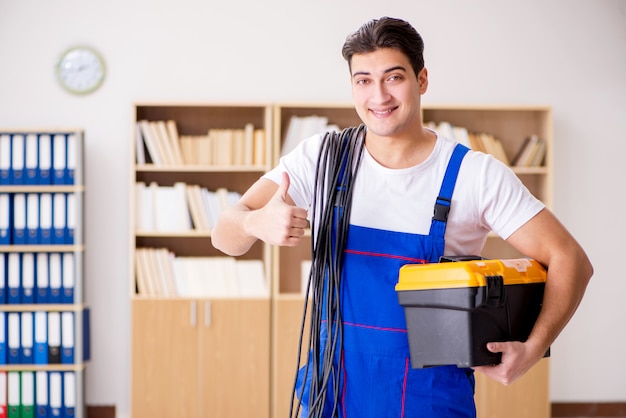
<point>80,70</point>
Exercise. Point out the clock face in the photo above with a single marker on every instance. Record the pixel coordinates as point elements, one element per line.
<point>80,70</point>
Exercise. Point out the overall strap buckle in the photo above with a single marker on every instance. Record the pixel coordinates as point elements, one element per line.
<point>442,209</point>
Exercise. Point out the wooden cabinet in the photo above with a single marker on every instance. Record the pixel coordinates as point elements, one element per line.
<point>45,322</point>
<point>199,356</point>
<point>236,356</point>
<point>527,397</point>
<point>166,345</point>
<point>286,326</point>
<point>236,371</point>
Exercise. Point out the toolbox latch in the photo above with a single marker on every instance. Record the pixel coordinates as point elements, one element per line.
<point>495,291</point>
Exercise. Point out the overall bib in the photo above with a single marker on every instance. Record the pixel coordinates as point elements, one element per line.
<point>376,376</point>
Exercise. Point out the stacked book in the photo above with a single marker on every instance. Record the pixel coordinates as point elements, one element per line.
<point>179,208</point>
<point>531,153</point>
<point>303,127</point>
<point>159,143</point>
<point>160,273</point>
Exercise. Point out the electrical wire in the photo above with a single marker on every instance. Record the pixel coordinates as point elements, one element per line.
<point>337,166</point>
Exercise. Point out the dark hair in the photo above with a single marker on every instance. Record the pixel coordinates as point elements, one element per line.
<point>386,32</point>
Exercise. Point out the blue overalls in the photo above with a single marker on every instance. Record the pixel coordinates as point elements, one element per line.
<point>376,375</point>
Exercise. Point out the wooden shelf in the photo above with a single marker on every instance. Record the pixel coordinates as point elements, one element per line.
<point>209,349</point>
<point>163,327</point>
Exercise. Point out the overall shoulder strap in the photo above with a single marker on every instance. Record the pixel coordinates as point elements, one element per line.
<point>443,201</point>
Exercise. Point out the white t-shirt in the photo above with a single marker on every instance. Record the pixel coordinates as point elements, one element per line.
<point>487,196</point>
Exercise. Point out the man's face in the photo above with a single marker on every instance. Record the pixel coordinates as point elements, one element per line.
<point>386,91</point>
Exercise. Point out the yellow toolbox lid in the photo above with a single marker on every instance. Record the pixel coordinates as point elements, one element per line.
<point>469,274</point>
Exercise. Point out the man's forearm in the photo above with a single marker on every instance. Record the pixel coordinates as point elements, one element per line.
<point>565,287</point>
<point>229,234</point>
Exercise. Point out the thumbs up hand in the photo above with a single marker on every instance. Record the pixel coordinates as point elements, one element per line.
<point>279,222</point>
<point>283,188</point>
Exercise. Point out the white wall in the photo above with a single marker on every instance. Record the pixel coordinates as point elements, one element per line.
<point>570,54</point>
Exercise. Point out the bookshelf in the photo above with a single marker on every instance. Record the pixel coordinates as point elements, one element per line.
<point>198,347</point>
<point>192,354</point>
<point>510,125</point>
<point>44,344</point>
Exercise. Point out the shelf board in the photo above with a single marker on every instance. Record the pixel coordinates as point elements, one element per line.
<point>136,297</point>
<point>42,367</point>
<point>56,307</point>
<point>41,188</point>
<point>530,170</point>
<point>173,234</point>
<point>48,248</point>
<point>500,108</point>
<point>151,168</point>
<point>289,297</point>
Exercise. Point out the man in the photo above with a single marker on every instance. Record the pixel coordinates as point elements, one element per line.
<point>404,170</point>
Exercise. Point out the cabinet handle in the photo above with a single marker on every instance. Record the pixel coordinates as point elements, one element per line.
<point>192,311</point>
<point>207,314</point>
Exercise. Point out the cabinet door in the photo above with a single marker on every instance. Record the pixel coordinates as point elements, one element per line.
<point>235,357</point>
<point>287,326</point>
<point>527,397</point>
<point>165,359</point>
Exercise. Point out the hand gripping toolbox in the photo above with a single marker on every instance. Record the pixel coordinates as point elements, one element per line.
<point>454,309</point>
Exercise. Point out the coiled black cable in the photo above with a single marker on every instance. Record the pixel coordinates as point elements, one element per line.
<point>337,166</point>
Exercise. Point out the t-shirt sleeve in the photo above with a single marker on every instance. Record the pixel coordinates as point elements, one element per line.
<point>300,164</point>
<point>507,203</point>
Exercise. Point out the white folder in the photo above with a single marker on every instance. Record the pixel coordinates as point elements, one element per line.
<point>13,338</point>
<point>13,279</point>
<point>45,217</point>
<point>5,158</point>
<point>59,158</point>
<point>3,278</point>
<point>69,278</point>
<point>67,337</point>
<point>41,390</point>
<point>5,237</point>
<point>27,334</point>
<point>28,390</point>
<point>42,278</point>
<point>31,158</point>
<point>69,392</point>
<point>71,217</point>
<point>45,158</point>
<point>32,217</point>
<point>17,159</point>
<point>59,219</point>
<point>28,277</point>
<point>19,216</point>
<point>13,390</point>
<point>55,278</point>
<point>3,335</point>
<point>3,393</point>
<point>55,391</point>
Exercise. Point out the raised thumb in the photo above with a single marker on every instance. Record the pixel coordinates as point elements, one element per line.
<point>283,188</point>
